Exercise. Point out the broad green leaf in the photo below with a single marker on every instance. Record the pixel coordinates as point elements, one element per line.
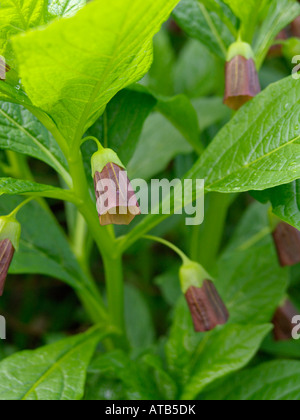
<point>227,350</point>
<point>54,372</point>
<point>251,283</point>
<point>210,111</point>
<point>285,201</point>
<point>200,21</point>
<point>88,58</point>
<point>260,147</point>
<point>197,72</point>
<point>44,248</point>
<point>179,111</point>
<point>169,285</point>
<point>248,275</point>
<point>17,16</point>
<point>182,342</point>
<point>121,125</point>
<point>273,381</point>
<point>281,349</point>
<point>253,230</point>
<point>160,77</point>
<point>12,186</point>
<point>65,8</point>
<point>280,14</point>
<point>21,132</point>
<point>138,319</point>
<point>248,13</point>
<point>143,378</point>
<point>159,143</point>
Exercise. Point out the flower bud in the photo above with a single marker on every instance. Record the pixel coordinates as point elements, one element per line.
<point>241,78</point>
<point>282,321</point>
<point>206,306</point>
<point>10,231</point>
<point>116,200</point>
<point>287,242</point>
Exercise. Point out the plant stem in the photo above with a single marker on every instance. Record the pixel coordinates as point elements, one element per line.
<point>206,239</point>
<point>115,290</point>
<point>168,244</point>
<point>19,165</point>
<point>105,241</point>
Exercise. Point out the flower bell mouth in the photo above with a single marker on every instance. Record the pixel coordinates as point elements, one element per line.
<point>241,78</point>
<point>116,200</point>
<point>287,242</point>
<point>282,321</point>
<point>6,255</point>
<point>242,82</point>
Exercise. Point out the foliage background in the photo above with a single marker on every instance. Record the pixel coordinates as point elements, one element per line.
<point>158,128</point>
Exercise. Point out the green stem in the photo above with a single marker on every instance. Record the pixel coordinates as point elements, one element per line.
<point>105,241</point>
<point>19,165</point>
<point>206,239</point>
<point>115,291</point>
<point>168,244</point>
<point>18,208</point>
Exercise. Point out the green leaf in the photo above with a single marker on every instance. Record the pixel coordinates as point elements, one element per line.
<point>88,58</point>
<point>281,349</point>
<point>160,78</point>
<point>51,257</point>
<point>182,342</point>
<point>248,275</point>
<point>180,112</point>
<point>260,147</point>
<point>280,14</point>
<point>12,186</point>
<point>17,16</point>
<point>248,13</point>
<point>65,8</point>
<point>285,201</point>
<point>210,111</point>
<point>138,319</point>
<point>138,381</point>
<point>197,72</point>
<point>54,372</point>
<point>200,21</point>
<point>21,132</point>
<point>121,125</point>
<point>227,350</point>
<point>251,283</point>
<point>273,381</point>
<point>159,143</point>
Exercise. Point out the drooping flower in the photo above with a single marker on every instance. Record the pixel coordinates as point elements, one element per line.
<point>205,304</point>
<point>10,231</point>
<point>287,242</point>
<point>282,321</point>
<point>241,78</point>
<point>116,200</point>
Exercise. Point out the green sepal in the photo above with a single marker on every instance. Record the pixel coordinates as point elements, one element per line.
<point>240,48</point>
<point>10,229</point>
<point>101,158</point>
<point>192,274</point>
